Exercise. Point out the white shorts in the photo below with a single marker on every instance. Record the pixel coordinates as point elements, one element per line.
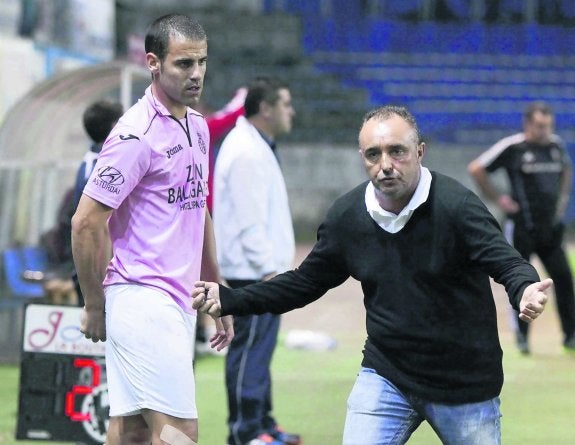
<point>149,353</point>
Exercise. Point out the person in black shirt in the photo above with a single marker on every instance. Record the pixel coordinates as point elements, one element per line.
<point>540,175</point>
<point>423,248</point>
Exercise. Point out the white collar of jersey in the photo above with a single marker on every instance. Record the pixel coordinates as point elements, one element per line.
<point>390,222</point>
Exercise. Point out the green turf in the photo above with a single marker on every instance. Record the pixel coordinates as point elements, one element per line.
<point>310,390</point>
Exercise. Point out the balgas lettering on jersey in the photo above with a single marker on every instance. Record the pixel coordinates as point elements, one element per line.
<point>109,178</point>
<point>191,205</point>
<point>184,192</point>
<point>172,151</point>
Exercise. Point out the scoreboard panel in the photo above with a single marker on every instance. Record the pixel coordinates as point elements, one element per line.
<point>63,394</point>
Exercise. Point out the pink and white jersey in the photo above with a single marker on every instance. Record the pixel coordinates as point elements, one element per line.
<point>153,170</point>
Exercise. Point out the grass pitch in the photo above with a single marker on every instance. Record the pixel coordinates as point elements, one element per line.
<point>311,388</point>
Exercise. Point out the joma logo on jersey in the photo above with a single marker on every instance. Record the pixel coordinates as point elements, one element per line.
<point>172,151</point>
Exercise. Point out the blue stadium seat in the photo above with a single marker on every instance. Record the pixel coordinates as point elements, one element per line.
<point>16,262</point>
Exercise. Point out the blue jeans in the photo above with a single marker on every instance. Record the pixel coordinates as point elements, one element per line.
<point>380,414</point>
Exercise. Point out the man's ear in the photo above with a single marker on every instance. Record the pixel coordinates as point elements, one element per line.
<point>265,108</point>
<point>153,63</point>
<point>421,151</point>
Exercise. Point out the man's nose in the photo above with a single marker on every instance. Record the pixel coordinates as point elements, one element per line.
<point>196,72</point>
<point>385,162</point>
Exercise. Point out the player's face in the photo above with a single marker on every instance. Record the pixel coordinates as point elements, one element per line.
<point>392,159</point>
<point>179,78</point>
<point>281,113</point>
<point>540,128</point>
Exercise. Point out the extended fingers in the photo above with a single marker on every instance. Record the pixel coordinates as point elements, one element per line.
<point>533,309</point>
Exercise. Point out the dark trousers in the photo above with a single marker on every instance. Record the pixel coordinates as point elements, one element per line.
<point>547,244</point>
<point>248,378</point>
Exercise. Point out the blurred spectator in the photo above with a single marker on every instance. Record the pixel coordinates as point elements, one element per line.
<point>98,120</point>
<point>540,175</point>
<point>254,242</point>
<point>57,242</point>
<point>219,124</point>
<point>59,279</point>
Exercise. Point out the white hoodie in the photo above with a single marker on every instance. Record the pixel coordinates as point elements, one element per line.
<point>252,220</point>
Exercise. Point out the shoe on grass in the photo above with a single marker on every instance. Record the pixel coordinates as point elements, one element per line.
<point>286,438</point>
<point>265,439</point>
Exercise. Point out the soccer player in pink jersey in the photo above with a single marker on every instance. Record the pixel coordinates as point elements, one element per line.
<point>147,196</point>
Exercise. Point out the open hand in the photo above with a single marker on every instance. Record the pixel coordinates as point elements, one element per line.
<point>534,300</point>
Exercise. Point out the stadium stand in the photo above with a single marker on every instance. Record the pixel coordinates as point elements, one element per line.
<point>462,98</point>
<point>467,80</point>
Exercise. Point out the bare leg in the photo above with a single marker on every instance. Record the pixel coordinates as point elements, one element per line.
<point>128,430</point>
<point>157,421</point>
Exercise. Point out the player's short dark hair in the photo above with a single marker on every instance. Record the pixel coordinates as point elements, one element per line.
<point>262,89</point>
<point>100,117</point>
<point>172,25</point>
<point>537,107</point>
<point>387,111</point>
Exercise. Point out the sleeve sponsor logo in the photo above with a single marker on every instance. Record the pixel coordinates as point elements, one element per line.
<point>109,178</point>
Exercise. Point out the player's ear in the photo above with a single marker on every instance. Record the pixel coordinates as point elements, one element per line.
<point>153,63</point>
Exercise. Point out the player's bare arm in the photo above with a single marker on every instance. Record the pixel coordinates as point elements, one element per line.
<point>91,251</point>
<point>481,177</point>
<point>210,272</point>
<point>224,332</point>
<point>534,300</point>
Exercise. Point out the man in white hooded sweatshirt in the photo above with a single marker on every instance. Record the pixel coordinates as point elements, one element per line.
<point>255,241</point>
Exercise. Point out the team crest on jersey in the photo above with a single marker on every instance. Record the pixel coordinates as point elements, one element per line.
<point>201,143</point>
<point>528,156</point>
<point>555,154</point>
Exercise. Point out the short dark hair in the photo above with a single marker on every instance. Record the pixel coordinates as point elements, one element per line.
<point>100,117</point>
<point>538,106</point>
<point>168,26</point>
<point>387,111</point>
<point>262,89</point>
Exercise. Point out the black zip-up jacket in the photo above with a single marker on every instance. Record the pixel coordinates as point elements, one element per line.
<point>431,316</point>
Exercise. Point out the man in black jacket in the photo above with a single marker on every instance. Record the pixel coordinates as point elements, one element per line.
<point>540,176</point>
<point>423,248</point>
